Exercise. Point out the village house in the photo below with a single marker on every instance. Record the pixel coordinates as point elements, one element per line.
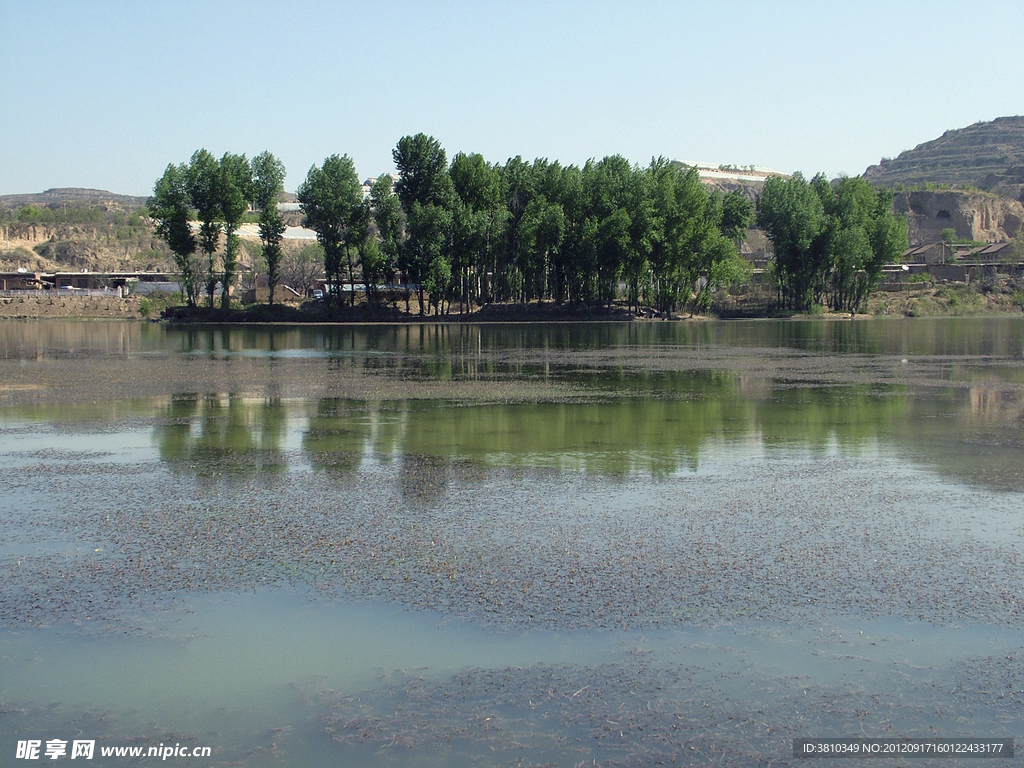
<point>21,280</point>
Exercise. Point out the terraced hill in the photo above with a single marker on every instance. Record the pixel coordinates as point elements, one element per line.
<point>985,155</point>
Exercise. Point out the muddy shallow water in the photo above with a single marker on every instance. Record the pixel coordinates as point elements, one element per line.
<point>611,544</point>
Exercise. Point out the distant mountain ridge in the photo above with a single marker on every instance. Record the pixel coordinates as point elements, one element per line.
<point>987,155</point>
<point>72,195</point>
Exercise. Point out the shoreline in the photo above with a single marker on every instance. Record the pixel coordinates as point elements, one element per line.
<point>131,308</point>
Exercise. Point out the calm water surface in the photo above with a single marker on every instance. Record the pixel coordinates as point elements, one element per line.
<point>610,544</point>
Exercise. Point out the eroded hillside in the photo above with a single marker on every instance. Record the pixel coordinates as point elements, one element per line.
<point>974,215</point>
<point>987,155</point>
<point>78,230</point>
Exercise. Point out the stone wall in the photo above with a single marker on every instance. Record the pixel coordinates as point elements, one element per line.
<point>46,304</point>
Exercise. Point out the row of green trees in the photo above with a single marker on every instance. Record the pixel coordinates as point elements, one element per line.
<point>475,232</point>
<point>471,231</point>
<point>830,240</point>
<point>66,214</point>
<point>218,194</point>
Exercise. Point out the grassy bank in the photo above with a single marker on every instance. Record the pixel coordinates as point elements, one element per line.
<point>996,297</point>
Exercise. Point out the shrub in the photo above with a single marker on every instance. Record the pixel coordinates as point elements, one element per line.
<point>923,308</point>
<point>988,281</point>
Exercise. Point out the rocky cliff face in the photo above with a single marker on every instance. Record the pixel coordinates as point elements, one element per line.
<point>974,215</point>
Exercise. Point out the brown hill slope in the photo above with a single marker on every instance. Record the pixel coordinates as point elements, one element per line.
<point>985,155</point>
<point>73,195</point>
<point>76,229</point>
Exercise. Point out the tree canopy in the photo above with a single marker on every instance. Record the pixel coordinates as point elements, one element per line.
<point>830,240</point>
<point>267,185</point>
<point>332,204</point>
<point>171,207</point>
<point>474,232</point>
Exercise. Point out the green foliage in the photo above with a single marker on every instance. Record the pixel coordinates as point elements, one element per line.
<point>267,184</point>
<point>623,209</point>
<point>234,190</point>
<point>154,304</point>
<point>680,231</point>
<point>428,199</point>
<point>218,193</point>
<point>830,241</point>
<point>790,212</point>
<point>728,269</point>
<point>203,173</point>
<point>958,295</point>
<point>375,266</point>
<point>386,211</point>
<point>737,216</point>
<point>332,203</point>
<point>267,173</point>
<point>438,280</point>
<point>480,217</point>
<point>476,232</point>
<point>925,307</point>
<point>171,206</point>
<point>423,172</point>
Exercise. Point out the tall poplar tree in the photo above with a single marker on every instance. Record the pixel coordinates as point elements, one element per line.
<point>203,170</point>
<point>332,204</point>
<point>791,214</point>
<point>428,199</point>
<point>478,225</point>
<point>267,183</point>
<point>861,234</point>
<point>830,240</point>
<point>386,211</point>
<point>234,191</point>
<point>172,210</point>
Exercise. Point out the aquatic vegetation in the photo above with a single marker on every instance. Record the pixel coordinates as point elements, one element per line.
<point>711,501</point>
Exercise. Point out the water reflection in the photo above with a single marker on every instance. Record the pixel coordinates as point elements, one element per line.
<point>922,336</point>
<point>223,435</point>
<point>338,434</point>
<point>213,434</point>
<point>998,336</point>
<point>617,398</point>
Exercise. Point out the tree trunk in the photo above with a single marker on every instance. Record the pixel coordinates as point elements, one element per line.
<point>351,276</point>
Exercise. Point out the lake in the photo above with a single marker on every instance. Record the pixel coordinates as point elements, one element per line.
<point>618,544</point>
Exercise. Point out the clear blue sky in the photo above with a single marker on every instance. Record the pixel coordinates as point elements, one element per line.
<point>106,93</point>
